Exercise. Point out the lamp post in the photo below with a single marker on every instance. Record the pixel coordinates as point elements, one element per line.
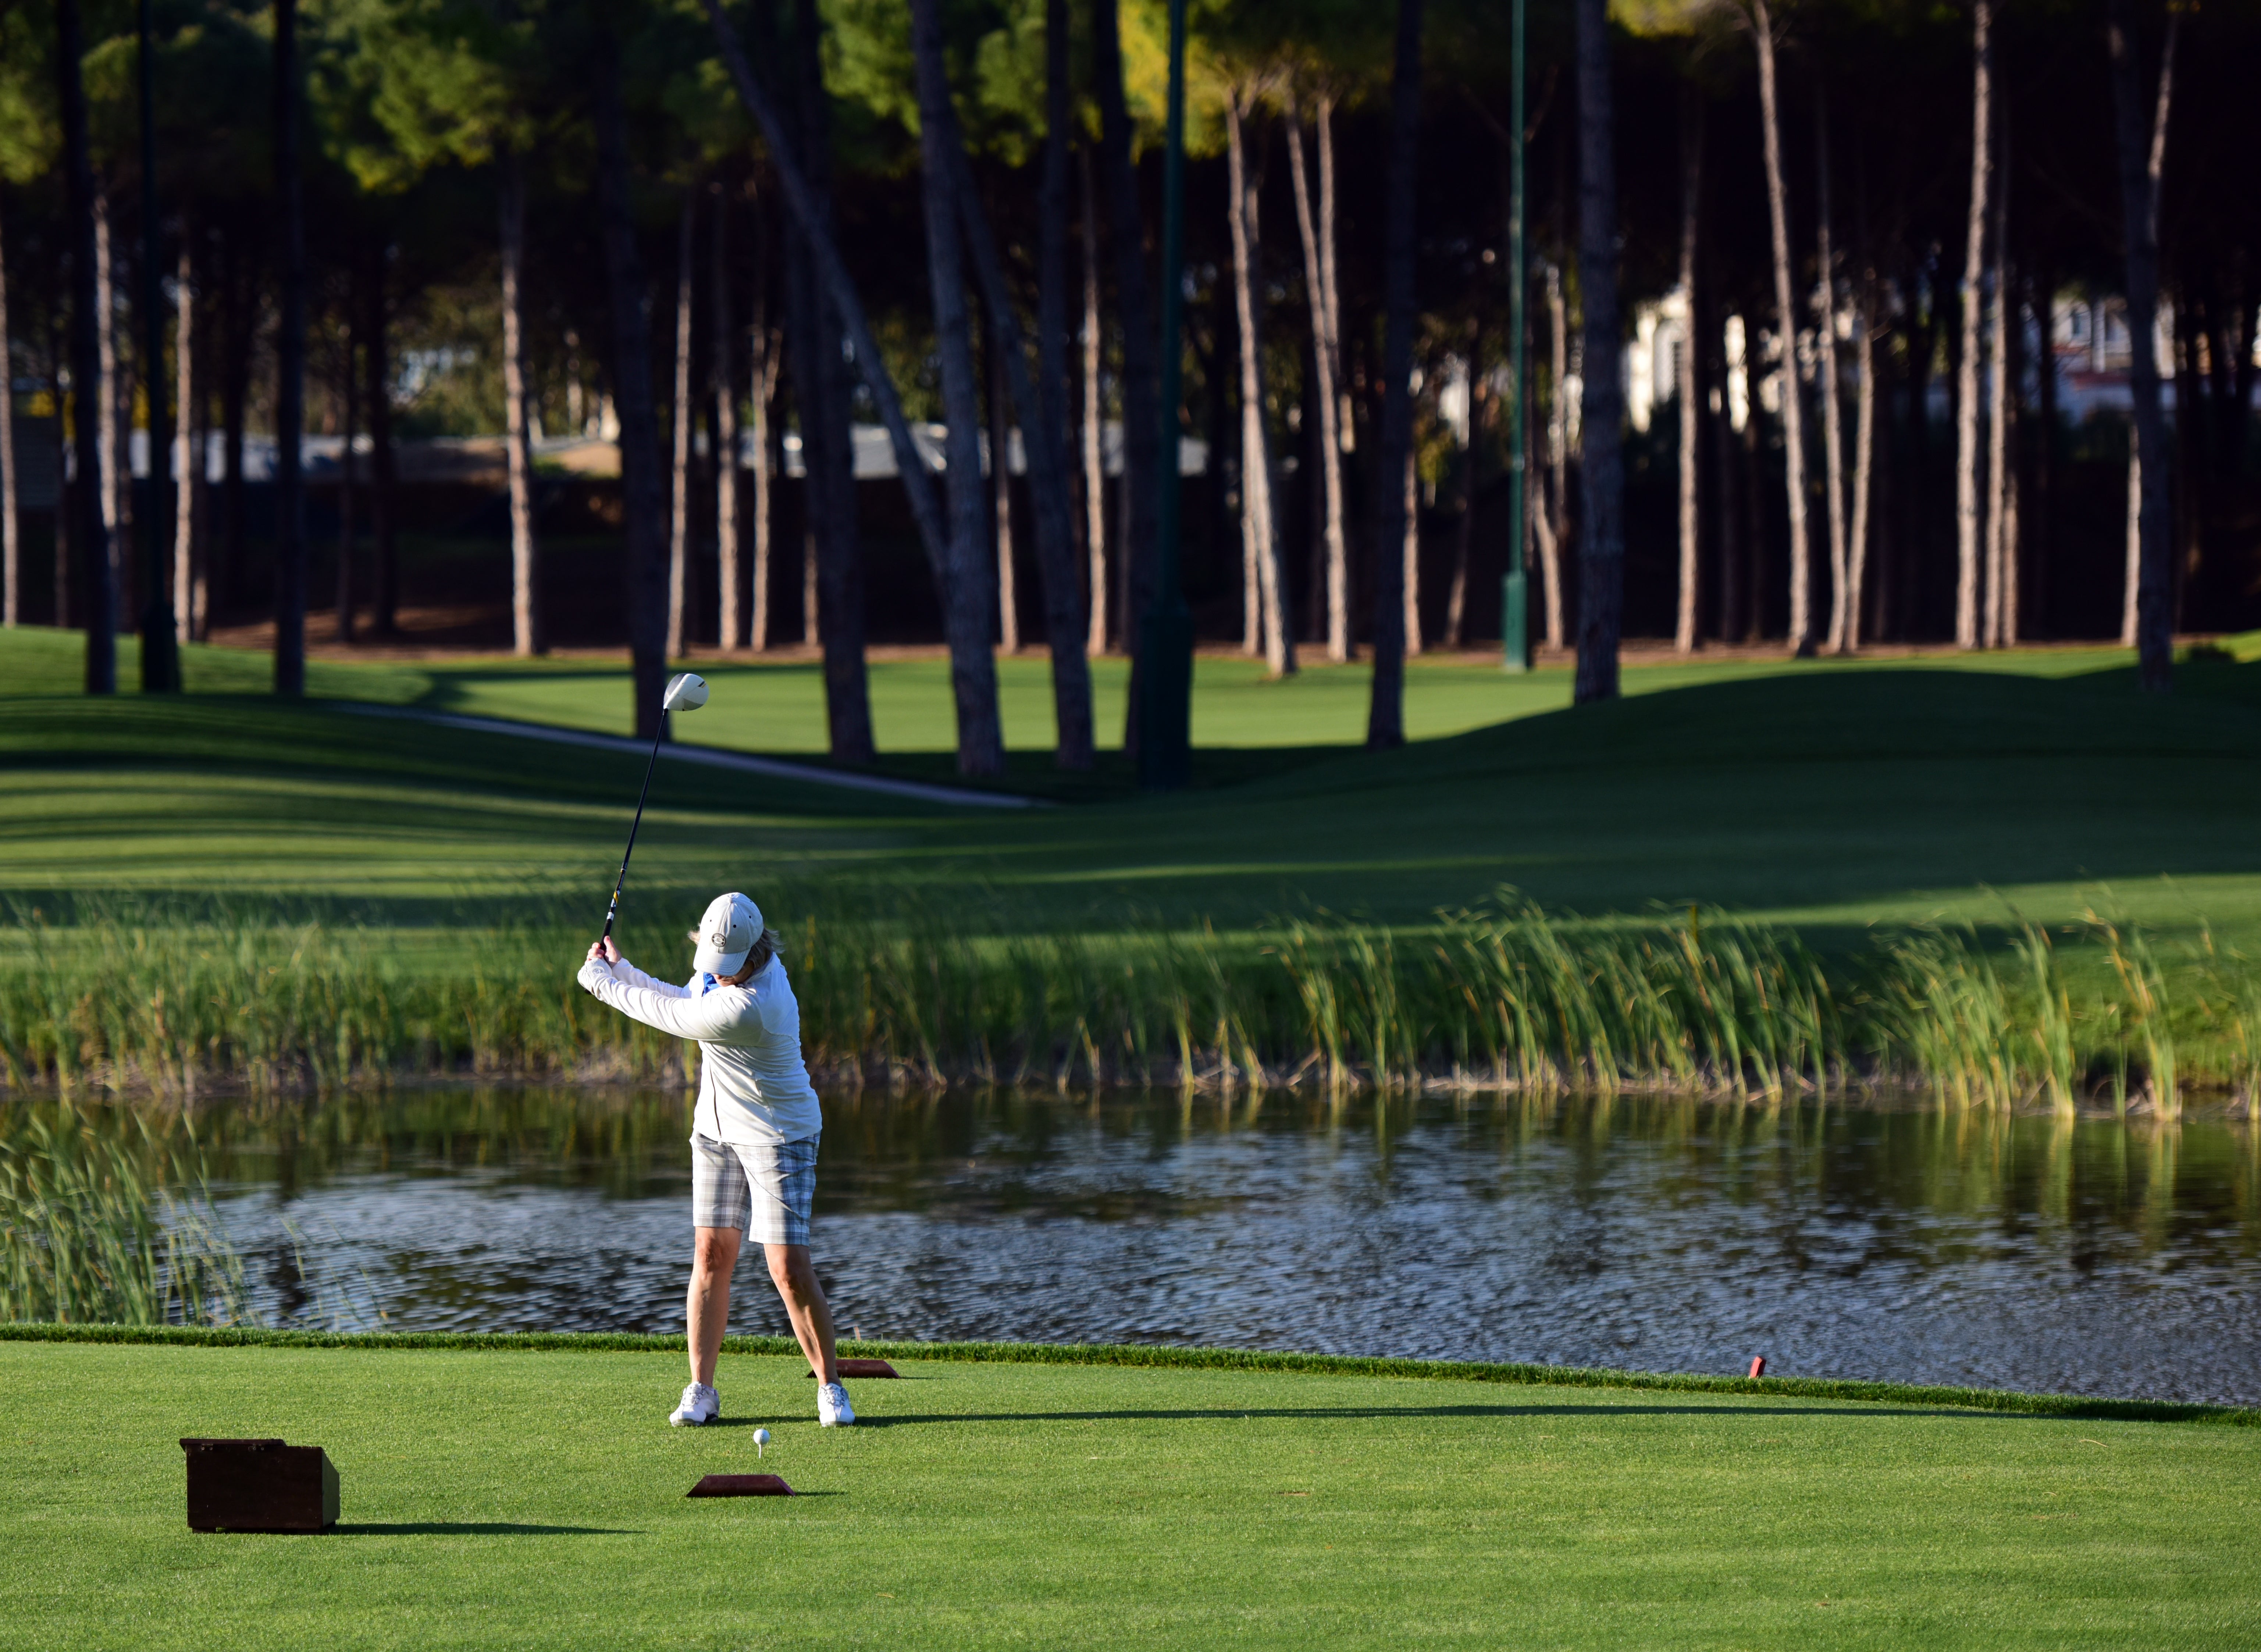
<point>1515,588</point>
<point>1166,663</point>
<point>161,654</point>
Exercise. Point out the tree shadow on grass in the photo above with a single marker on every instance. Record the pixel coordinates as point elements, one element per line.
<point>1370,1413</point>
<point>478,1528</point>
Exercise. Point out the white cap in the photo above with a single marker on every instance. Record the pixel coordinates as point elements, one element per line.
<point>726,934</point>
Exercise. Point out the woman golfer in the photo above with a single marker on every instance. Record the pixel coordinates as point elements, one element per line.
<point>753,1140</point>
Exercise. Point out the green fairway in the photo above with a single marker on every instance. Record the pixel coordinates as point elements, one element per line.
<point>536,1500</point>
<point>1833,797</point>
<point>778,707</point>
<point>1845,802</point>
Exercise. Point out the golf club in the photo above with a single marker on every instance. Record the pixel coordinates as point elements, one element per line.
<point>685,691</point>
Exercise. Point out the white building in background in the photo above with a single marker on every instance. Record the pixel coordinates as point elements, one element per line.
<point>1652,362</point>
<point>2089,344</point>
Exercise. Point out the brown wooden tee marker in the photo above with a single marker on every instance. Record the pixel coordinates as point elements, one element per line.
<point>864,1368</point>
<point>741,1485</point>
<point>260,1485</point>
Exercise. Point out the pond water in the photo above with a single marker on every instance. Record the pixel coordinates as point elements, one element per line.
<point>2097,1257</point>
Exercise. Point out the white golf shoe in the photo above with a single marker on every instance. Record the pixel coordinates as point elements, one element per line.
<point>700,1405</point>
<point>832,1407</point>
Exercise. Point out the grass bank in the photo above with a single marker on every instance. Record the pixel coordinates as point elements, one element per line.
<point>1827,797</point>
<point>501,1498</point>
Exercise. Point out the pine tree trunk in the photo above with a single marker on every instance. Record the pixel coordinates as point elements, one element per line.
<point>384,558</point>
<point>640,483</point>
<point>526,637</point>
<point>1728,489</point>
<point>969,594</point>
<point>2020,484</point>
<point>1601,413</point>
<point>832,567</point>
<point>189,594</point>
<point>1553,523</point>
<point>762,374</point>
<point>1255,480</point>
<point>678,515</point>
<point>1864,456</point>
<point>88,528</point>
<point>1268,623</point>
<point>1691,421</point>
<point>11,568</point>
<point>2140,172</point>
<point>1887,538</point>
<point>1317,226</point>
<point>1755,524</point>
<point>1831,392</point>
<point>1093,444</point>
<point>342,597</point>
<point>722,369</point>
<point>1968,518</point>
<point>1339,603</point>
<point>1385,721</point>
<point>2001,623</point>
<point>109,454</point>
<point>1410,553</point>
<point>2132,576</point>
<point>1140,380</point>
<point>290,366</point>
<point>66,491</point>
<point>1053,337</point>
<point>1456,594</point>
<point>999,409</point>
<point>1793,420</point>
<point>812,627</point>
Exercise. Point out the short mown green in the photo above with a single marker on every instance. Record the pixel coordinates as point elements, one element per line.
<point>506,1498</point>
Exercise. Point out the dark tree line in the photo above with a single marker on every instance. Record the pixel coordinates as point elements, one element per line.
<point>1803,273</point>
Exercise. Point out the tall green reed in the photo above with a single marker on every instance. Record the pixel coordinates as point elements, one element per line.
<point>896,993</point>
<point>2144,994</point>
<point>111,1224</point>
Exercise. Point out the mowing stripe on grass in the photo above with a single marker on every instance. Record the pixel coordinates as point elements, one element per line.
<point>1119,1354</point>
<point>963,797</point>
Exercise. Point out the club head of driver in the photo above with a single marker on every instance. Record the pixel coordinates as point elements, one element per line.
<point>687,691</point>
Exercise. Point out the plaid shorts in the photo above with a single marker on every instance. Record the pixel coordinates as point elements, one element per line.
<point>765,1192</point>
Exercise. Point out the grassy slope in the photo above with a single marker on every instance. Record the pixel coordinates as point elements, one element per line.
<point>509,1500</point>
<point>1834,797</point>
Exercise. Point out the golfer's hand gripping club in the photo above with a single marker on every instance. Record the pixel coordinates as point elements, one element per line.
<point>685,691</point>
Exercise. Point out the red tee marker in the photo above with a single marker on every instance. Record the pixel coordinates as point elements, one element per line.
<point>741,1485</point>
<point>1758,1365</point>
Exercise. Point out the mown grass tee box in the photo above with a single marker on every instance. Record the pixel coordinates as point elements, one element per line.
<point>508,1497</point>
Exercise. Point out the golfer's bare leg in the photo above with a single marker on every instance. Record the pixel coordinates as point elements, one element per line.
<point>805,1305</point>
<point>714,1254</point>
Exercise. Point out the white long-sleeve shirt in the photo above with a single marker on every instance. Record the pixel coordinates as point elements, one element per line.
<point>753,1085</point>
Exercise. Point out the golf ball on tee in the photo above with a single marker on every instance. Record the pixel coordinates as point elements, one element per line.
<point>761,1438</point>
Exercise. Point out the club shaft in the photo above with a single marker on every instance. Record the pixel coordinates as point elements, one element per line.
<point>650,762</point>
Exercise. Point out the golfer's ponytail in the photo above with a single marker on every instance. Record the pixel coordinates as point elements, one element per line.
<point>764,950</point>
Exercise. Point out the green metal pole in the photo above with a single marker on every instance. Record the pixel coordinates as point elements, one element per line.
<point>1515,588</point>
<point>160,657</point>
<point>1166,665</point>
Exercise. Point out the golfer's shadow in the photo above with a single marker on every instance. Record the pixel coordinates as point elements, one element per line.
<point>1377,1414</point>
<point>477,1528</point>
